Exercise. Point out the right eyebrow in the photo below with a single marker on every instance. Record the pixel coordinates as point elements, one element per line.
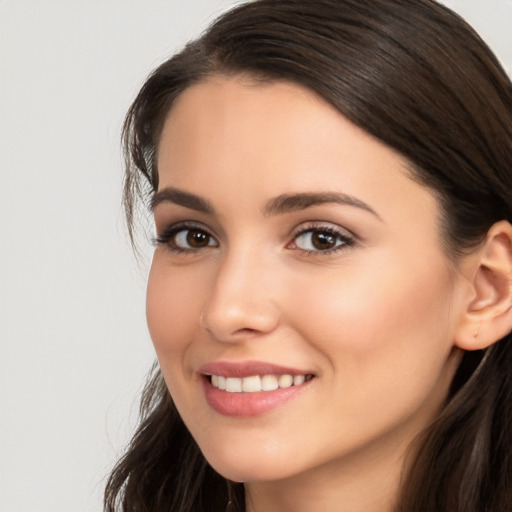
<point>181,198</point>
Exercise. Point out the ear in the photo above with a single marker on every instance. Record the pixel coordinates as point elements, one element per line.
<point>488,313</point>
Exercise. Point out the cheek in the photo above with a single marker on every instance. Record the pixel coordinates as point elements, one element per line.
<point>381,327</point>
<point>173,309</point>
<point>369,303</point>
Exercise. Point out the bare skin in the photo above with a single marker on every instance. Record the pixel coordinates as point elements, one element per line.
<point>353,289</point>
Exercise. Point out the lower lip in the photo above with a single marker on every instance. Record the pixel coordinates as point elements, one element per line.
<point>243,405</point>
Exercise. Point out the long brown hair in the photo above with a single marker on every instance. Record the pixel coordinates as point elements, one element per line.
<point>416,76</point>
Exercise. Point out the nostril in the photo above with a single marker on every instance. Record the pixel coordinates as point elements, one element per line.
<point>232,314</point>
<point>246,331</point>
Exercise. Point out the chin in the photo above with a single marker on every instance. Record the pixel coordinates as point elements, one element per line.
<point>248,467</point>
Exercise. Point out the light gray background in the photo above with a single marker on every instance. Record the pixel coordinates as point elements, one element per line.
<point>73,344</point>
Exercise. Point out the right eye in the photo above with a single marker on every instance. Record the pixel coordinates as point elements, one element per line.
<point>193,239</point>
<point>186,239</point>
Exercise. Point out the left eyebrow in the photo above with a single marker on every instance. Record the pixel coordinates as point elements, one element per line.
<point>286,203</point>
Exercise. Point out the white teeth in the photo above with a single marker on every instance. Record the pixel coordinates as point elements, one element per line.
<point>233,385</point>
<point>297,379</point>
<point>285,381</point>
<point>269,383</point>
<point>251,384</point>
<point>255,383</point>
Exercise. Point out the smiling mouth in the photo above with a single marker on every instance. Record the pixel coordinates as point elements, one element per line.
<point>257,383</point>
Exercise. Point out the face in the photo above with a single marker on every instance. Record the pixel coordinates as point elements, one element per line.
<point>300,303</point>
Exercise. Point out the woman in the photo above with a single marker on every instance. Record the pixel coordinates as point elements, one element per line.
<point>330,296</point>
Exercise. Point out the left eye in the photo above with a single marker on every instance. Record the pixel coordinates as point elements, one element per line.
<point>320,240</point>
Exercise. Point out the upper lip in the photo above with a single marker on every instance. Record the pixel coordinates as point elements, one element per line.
<point>248,369</point>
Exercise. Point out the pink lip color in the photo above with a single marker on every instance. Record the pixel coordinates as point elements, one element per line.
<point>247,369</point>
<point>248,404</point>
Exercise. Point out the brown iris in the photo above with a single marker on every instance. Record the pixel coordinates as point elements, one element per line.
<point>197,238</point>
<point>323,240</point>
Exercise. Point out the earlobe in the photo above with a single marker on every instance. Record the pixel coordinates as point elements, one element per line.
<point>488,316</point>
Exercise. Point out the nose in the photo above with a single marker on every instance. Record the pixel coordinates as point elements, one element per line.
<point>242,303</point>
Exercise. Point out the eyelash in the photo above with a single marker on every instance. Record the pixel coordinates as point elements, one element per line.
<point>168,237</point>
<point>343,240</point>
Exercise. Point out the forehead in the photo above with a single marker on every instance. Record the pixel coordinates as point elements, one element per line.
<point>241,103</point>
<point>239,116</point>
<point>262,139</point>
